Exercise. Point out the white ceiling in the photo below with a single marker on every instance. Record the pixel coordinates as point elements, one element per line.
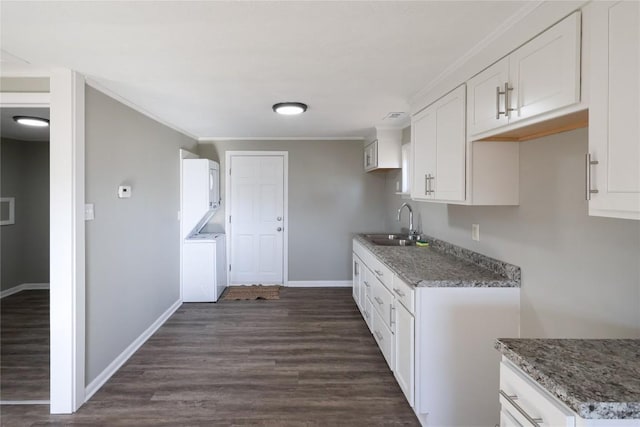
<point>12,130</point>
<point>214,69</point>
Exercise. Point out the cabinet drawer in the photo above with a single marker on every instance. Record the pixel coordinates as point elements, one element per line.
<point>359,250</point>
<point>383,337</point>
<point>524,400</point>
<point>404,293</point>
<point>382,300</point>
<point>381,271</point>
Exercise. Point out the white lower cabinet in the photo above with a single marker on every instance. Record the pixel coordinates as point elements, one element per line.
<point>524,402</point>
<point>404,329</point>
<point>438,343</point>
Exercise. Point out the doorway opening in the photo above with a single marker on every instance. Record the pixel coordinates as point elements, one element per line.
<point>24,258</point>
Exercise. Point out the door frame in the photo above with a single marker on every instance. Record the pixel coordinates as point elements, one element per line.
<point>65,100</point>
<point>227,206</point>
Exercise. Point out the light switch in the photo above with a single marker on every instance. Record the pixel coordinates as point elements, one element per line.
<point>124,191</point>
<point>475,232</point>
<point>88,212</point>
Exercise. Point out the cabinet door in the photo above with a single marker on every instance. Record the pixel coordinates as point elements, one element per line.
<point>423,145</point>
<point>545,73</point>
<point>404,351</point>
<point>357,282</point>
<point>449,177</point>
<point>614,127</point>
<point>371,156</point>
<point>484,101</point>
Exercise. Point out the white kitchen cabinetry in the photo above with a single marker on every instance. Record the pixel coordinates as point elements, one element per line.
<point>613,162</point>
<point>523,401</point>
<point>438,342</point>
<point>438,143</point>
<point>384,151</point>
<point>404,331</point>
<point>541,76</point>
<point>448,168</point>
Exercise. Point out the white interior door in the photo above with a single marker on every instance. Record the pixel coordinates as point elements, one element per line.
<point>256,219</point>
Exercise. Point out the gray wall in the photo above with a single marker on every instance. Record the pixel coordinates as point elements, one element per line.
<point>580,274</point>
<point>25,244</point>
<point>132,252</point>
<point>330,198</point>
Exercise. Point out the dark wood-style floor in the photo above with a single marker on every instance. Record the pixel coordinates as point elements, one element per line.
<point>307,359</point>
<point>24,346</point>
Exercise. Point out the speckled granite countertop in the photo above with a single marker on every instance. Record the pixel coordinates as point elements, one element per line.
<point>598,379</point>
<point>444,265</point>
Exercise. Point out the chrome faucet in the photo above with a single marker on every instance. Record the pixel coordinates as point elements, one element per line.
<point>413,234</point>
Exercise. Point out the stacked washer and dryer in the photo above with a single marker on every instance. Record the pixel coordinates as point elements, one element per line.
<point>204,273</point>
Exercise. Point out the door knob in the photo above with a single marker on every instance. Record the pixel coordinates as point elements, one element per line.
<point>279,229</point>
<point>279,218</point>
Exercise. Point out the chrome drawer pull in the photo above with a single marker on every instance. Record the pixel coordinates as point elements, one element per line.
<point>378,300</point>
<point>366,283</point>
<point>379,335</point>
<point>399,292</point>
<point>391,322</point>
<point>378,272</point>
<point>512,400</point>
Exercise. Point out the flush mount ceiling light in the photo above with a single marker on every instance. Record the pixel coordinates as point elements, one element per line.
<point>289,108</point>
<point>31,121</point>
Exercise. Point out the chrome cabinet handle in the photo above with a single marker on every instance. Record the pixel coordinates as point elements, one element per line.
<point>379,335</point>
<point>378,272</point>
<point>507,100</point>
<point>507,103</point>
<point>588,164</point>
<point>378,300</point>
<point>279,218</point>
<point>366,314</point>
<point>498,112</point>
<point>391,322</point>
<point>366,283</point>
<point>279,228</point>
<point>426,184</point>
<point>512,400</point>
<point>399,292</point>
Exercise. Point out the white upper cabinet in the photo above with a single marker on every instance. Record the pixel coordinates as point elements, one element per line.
<point>447,168</point>
<point>439,143</point>
<point>613,162</point>
<point>384,151</point>
<point>485,103</point>
<point>540,77</point>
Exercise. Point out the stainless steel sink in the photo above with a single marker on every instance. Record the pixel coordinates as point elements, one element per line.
<point>393,242</point>
<point>381,237</point>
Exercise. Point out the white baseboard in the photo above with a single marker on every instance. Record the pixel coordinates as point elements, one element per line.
<point>24,287</point>
<point>113,367</point>
<point>319,283</point>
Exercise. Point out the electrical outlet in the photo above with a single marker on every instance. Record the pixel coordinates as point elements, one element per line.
<point>475,232</point>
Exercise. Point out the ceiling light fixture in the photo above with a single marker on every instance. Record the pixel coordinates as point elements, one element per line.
<point>31,121</point>
<point>289,108</point>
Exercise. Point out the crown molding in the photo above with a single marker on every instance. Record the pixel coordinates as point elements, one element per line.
<point>475,50</point>
<point>110,93</point>
<point>280,138</point>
